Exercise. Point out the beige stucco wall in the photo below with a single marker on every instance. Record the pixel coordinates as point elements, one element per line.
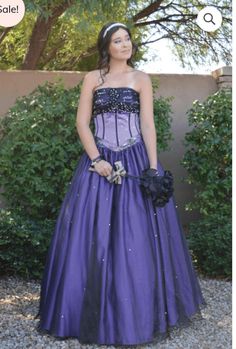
<point>184,87</point>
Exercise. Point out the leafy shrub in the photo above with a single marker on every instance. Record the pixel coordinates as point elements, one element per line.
<point>162,119</point>
<point>211,240</point>
<point>40,147</point>
<point>23,244</point>
<point>209,166</point>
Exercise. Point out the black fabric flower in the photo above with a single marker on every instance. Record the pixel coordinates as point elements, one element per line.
<point>159,188</point>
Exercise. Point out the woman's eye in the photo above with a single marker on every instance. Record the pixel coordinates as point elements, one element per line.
<point>119,40</point>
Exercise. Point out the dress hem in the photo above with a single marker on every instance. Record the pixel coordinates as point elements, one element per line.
<point>157,336</point>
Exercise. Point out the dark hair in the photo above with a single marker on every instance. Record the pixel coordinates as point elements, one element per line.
<point>102,47</point>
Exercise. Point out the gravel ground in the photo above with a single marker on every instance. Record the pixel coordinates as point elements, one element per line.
<point>19,304</point>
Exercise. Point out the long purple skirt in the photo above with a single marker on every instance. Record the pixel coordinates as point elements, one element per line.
<point>118,270</point>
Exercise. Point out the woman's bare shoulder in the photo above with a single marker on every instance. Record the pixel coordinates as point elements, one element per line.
<point>141,74</point>
<point>92,75</point>
<point>91,78</point>
<point>141,79</point>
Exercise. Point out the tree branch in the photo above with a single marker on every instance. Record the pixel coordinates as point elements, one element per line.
<point>4,33</point>
<point>185,18</point>
<point>147,11</point>
<point>40,34</point>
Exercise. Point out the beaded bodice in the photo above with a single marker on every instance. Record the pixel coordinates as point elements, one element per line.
<point>116,117</point>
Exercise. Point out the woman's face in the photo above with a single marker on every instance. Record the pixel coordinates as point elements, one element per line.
<point>120,45</point>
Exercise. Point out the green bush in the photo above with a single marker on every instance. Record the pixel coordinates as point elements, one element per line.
<point>23,244</point>
<point>162,119</point>
<point>40,147</point>
<point>209,166</point>
<point>210,239</point>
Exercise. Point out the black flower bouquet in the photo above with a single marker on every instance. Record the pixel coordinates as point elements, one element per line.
<point>158,188</point>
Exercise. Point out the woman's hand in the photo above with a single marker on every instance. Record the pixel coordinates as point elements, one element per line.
<point>103,168</point>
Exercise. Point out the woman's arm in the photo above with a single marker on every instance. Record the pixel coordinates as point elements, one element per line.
<point>84,113</point>
<point>147,119</point>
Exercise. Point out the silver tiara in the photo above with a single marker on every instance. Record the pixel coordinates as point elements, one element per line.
<point>111,26</point>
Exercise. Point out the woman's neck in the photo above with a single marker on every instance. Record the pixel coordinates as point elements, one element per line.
<point>116,69</point>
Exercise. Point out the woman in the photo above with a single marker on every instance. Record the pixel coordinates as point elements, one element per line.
<point>118,271</point>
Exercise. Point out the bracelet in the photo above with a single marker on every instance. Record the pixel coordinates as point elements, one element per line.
<point>154,171</point>
<point>97,159</point>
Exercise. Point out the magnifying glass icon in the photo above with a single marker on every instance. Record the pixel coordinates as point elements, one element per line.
<point>210,19</point>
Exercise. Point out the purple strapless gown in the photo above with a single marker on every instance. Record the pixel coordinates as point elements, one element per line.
<point>118,270</point>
